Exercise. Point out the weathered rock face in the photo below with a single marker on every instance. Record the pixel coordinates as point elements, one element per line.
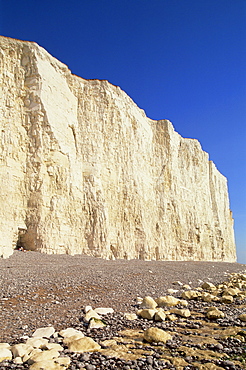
<point>83,170</point>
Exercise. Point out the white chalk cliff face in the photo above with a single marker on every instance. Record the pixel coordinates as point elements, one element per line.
<point>83,170</point>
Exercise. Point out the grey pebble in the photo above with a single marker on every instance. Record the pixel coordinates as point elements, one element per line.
<point>90,367</point>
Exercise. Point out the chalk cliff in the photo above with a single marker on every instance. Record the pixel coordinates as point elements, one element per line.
<point>83,170</point>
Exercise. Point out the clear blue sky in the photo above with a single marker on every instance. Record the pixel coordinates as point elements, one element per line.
<point>182,60</point>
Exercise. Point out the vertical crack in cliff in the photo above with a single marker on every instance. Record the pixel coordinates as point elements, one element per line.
<point>95,229</point>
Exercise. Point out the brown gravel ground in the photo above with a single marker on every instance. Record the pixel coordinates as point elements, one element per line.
<point>38,290</point>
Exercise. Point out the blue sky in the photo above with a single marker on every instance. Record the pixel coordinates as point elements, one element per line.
<point>182,60</point>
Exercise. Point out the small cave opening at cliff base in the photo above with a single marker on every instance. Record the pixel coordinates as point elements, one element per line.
<point>20,246</point>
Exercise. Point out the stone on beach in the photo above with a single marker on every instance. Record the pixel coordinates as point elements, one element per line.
<point>26,357</point>
<point>160,316</point>
<point>55,346</point>
<point>181,312</point>
<point>215,313</point>
<point>167,301</point>
<point>5,354</point>
<point>139,300</point>
<point>52,364</point>
<point>208,297</point>
<point>37,342</point>
<point>130,316</point>
<point>183,302</point>
<point>45,332</point>
<point>72,338</point>
<point>63,361</point>
<point>69,332</point>
<point>171,317</point>
<point>242,277</point>
<point>20,350</point>
<point>191,294</point>
<point>88,308</point>
<point>243,317</point>
<point>208,286</point>
<point>18,360</point>
<point>177,283</point>
<point>43,356</point>
<point>96,323</point>
<point>5,345</point>
<point>172,291</point>
<point>156,335</point>
<point>148,302</point>
<point>186,286</point>
<point>146,313</point>
<point>85,344</point>
<point>226,299</point>
<point>91,314</point>
<point>232,291</point>
<point>104,310</point>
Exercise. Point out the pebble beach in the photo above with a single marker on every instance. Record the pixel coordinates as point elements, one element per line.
<point>38,290</point>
